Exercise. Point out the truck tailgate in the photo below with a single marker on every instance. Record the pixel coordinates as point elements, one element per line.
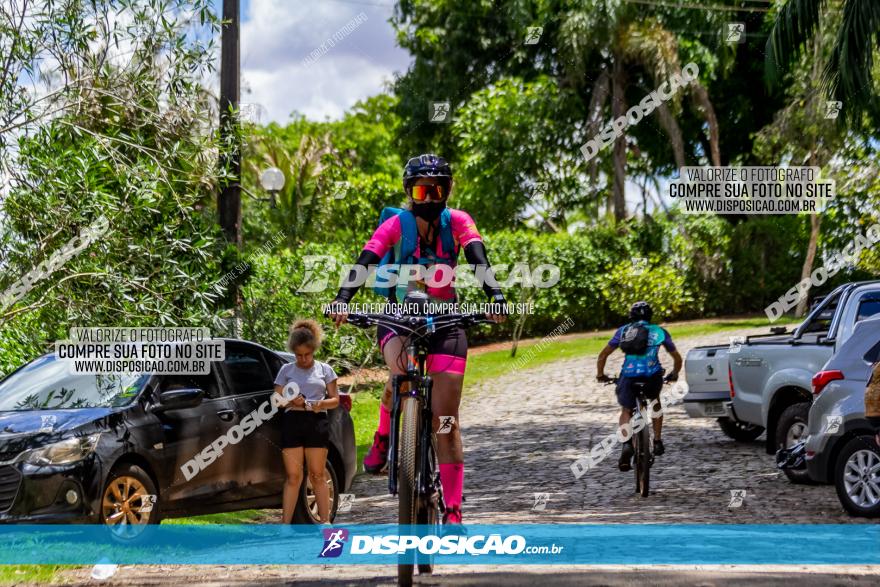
<point>706,369</point>
<point>708,390</point>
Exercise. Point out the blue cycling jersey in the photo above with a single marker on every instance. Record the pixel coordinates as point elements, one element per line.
<point>649,363</point>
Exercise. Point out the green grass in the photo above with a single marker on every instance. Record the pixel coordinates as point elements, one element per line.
<point>365,414</point>
<point>496,363</point>
<point>15,574</point>
<point>242,517</point>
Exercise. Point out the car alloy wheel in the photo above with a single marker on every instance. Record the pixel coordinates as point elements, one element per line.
<point>123,502</point>
<point>861,478</point>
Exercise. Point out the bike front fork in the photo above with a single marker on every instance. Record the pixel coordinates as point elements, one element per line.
<point>420,387</point>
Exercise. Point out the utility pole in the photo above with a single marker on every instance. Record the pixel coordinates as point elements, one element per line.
<point>229,200</point>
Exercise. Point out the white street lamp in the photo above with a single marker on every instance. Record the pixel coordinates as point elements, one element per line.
<point>272,179</point>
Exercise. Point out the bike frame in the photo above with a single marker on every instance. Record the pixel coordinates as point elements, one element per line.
<point>642,408</point>
<point>421,387</point>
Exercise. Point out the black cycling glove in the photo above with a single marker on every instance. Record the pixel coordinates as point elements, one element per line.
<point>346,293</point>
<point>475,253</point>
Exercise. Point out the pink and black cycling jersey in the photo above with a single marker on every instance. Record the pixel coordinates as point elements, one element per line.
<point>464,232</point>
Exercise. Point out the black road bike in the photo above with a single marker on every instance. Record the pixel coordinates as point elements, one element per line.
<point>412,460</point>
<point>642,440</point>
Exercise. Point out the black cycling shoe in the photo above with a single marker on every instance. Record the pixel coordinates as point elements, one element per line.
<point>658,448</point>
<point>626,455</point>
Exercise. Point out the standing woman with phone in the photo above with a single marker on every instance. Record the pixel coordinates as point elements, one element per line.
<point>308,388</point>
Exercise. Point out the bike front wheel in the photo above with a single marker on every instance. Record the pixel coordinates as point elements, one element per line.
<point>643,461</point>
<point>407,486</point>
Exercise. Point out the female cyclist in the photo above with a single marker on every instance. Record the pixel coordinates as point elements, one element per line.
<point>305,427</point>
<point>427,180</point>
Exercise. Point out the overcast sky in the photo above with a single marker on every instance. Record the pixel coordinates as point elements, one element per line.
<point>278,35</point>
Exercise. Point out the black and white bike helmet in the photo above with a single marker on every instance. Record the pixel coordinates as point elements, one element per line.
<point>641,311</point>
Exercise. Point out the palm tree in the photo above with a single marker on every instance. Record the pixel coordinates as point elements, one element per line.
<point>804,26</point>
<point>619,37</point>
<point>306,189</point>
<point>847,75</point>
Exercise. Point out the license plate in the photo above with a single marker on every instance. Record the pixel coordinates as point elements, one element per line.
<point>715,409</point>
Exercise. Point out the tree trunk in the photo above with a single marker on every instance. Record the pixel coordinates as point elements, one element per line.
<point>815,219</point>
<point>669,124</point>
<point>520,320</point>
<point>701,96</point>
<point>815,223</point>
<point>594,116</point>
<point>618,109</point>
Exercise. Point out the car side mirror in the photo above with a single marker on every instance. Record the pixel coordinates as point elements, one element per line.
<point>178,399</point>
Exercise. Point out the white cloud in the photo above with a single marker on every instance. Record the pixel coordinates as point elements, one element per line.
<point>277,35</point>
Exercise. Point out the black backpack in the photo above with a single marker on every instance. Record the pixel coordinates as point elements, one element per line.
<point>634,339</point>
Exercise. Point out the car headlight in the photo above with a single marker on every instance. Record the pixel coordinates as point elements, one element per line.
<point>63,452</point>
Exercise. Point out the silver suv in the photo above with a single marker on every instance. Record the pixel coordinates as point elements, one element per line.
<point>840,447</point>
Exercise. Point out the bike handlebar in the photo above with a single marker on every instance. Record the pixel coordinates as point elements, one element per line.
<point>616,380</point>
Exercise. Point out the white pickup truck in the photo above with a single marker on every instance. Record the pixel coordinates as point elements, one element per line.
<point>764,382</point>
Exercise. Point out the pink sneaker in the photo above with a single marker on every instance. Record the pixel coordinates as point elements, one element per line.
<point>452,515</point>
<point>376,460</point>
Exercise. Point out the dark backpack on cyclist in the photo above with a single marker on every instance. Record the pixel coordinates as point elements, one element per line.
<point>403,252</point>
<point>634,339</point>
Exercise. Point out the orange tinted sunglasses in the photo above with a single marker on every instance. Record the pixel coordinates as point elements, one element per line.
<point>423,193</point>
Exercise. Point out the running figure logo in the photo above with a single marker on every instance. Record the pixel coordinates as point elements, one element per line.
<point>446,424</point>
<point>736,343</point>
<point>47,423</point>
<point>533,35</point>
<point>334,540</point>
<point>317,271</point>
<point>832,424</point>
<point>832,109</point>
<point>737,496</point>
<point>345,501</point>
<point>736,32</point>
<point>439,112</point>
<point>639,264</point>
<point>147,503</point>
<point>541,500</point>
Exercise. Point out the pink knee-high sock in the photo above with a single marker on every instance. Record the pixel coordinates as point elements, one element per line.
<point>452,480</point>
<point>384,421</point>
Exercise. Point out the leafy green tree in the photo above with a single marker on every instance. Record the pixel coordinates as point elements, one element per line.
<point>106,115</point>
<point>605,54</point>
<point>849,75</point>
<point>506,134</point>
<point>802,133</point>
<point>339,174</point>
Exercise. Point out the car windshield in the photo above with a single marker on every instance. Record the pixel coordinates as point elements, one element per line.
<point>46,384</point>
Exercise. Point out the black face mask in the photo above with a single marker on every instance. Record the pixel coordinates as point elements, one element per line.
<point>429,211</point>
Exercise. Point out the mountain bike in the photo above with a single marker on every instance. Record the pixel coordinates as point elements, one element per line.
<point>412,461</point>
<point>642,445</point>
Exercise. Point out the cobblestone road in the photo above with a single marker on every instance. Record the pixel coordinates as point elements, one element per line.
<point>521,434</point>
<point>523,431</point>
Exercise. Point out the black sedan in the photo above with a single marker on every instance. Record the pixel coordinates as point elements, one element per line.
<point>133,449</point>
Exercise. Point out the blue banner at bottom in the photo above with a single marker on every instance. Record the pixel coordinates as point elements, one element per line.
<point>518,544</point>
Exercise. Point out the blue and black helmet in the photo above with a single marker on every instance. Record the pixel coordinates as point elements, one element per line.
<point>641,311</point>
<point>426,166</point>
